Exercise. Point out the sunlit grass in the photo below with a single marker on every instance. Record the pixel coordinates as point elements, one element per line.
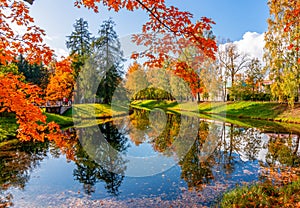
<point>63,121</point>
<point>242,109</point>
<point>263,195</point>
<point>8,127</point>
<point>96,110</point>
<point>80,112</point>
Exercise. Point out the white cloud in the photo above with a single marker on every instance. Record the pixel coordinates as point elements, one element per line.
<point>59,52</point>
<point>252,44</point>
<point>49,38</point>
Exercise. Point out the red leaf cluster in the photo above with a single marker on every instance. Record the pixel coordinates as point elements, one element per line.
<point>30,43</point>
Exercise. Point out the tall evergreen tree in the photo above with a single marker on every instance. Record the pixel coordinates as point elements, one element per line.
<point>34,73</point>
<point>109,57</point>
<point>79,44</point>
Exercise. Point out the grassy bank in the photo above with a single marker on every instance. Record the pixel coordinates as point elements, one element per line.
<point>8,125</point>
<point>86,114</point>
<point>95,110</point>
<point>263,195</point>
<point>240,113</point>
<point>248,110</point>
<point>8,128</point>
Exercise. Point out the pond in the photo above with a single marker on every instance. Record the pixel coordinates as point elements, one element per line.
<point>145,159</point>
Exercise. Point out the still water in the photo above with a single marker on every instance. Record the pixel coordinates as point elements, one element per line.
<point>146,159</point>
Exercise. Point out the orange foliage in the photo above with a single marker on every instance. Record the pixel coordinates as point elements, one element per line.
<point>134,67</point>
<point>292,17</point>
<point>62,82</point>
<point>175,28</point>
<point>30,43</point>
<point>281,175</point>
<point>22,99</point>
<point>183,71</point>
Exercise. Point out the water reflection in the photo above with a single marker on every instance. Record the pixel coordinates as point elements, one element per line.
<point>16,162</point>
<point>206,154</point>
<point>91,169</point>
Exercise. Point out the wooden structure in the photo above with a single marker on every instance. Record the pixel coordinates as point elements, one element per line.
<point>57,109</point>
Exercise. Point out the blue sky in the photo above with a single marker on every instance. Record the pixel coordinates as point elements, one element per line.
<point>234,18</point>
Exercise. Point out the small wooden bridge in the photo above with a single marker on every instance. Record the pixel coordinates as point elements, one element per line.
<point>58,109</point>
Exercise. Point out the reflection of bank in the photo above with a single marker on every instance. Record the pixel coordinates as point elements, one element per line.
<point>283,149</point>
<point>17,162</point>
<point>95,160</point>
<point>172,136</point>
<point>251,144</point>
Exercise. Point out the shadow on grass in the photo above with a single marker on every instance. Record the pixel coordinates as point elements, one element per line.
<point>258,110</point>
<point>151,104</point>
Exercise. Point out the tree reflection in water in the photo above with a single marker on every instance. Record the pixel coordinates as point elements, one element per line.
<point>17,160</point>
<point>218,152</point>
<point>93,161</point>
<point>184,137</point>
<point>282,159</point>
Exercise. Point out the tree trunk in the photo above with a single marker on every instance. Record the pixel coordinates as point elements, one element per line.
<point>225,92</point>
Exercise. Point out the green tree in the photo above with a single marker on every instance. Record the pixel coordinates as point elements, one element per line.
<point>159,79</point>
<point>79,44</point>
<point>34,73</point>
<point>89,80</point>
<point>179,88</point>
<point>10,68</point>
<point>109,58</point>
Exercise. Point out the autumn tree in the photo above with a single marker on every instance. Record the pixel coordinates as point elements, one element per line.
<point>282,49</point>
<point>162,19</point>
<point>20,98</point>
<point>61,82</point>
<point>136,79</point>
<point>16,97</point>
<point>15,14</point>
<point>254,75</point>
<point>168,31</point>
<point>212,78</point>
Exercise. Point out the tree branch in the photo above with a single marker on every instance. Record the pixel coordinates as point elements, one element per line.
<point>29,1</point>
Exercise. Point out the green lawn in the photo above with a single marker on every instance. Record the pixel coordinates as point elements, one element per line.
<point>240,113</point>
<point>243,109</point>
<point>8,128</point>
<point>96,110</point>
<point>86,114</point>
